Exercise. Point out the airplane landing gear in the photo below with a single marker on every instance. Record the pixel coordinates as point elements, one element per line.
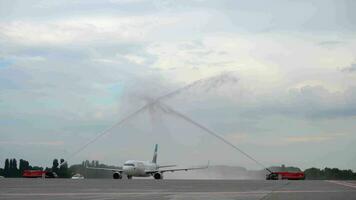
<point>129,177</point>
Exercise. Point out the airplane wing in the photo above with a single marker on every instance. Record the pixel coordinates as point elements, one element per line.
<point>107,169</point>
<point>164,166</point>
<point>174,170</point>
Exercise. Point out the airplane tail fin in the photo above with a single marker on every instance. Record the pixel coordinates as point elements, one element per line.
<point>154,159</point>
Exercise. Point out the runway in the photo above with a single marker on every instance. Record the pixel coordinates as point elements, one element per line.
<point>175,189</point>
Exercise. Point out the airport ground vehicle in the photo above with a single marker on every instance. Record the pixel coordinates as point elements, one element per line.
<point>33,174</point>
<point>77,176</point>
<point>38,174</point>
<point>285,175</point>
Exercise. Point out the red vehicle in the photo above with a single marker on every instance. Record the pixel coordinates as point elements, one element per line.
<point>33,173</point>
<point>285,175</point>
<point>38,174</point>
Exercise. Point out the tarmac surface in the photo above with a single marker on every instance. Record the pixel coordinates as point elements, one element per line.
<point>175,189</point>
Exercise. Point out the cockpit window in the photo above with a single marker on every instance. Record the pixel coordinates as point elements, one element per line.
<point>129,164</point>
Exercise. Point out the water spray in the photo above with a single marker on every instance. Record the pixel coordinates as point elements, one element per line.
<point>220,78</point>
<point>216,80</point>
<point>167,109</point>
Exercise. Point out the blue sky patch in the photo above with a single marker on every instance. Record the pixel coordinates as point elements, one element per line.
<point>115,89</point>
<point>4,63</point>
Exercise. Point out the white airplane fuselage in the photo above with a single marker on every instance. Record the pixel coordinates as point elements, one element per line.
<point>138,168</point>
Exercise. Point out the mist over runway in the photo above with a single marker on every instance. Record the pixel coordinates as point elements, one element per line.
<point>175,189</point>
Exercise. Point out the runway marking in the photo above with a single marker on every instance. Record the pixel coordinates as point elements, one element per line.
<point>171,193</point>
<point>269,195</point>
<point>343,183</point>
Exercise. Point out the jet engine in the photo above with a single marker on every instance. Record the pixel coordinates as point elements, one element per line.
<point>117,175</point>
<point>158,176</point>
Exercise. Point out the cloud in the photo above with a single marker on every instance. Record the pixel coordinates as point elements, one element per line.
<point>331,43</point>
<point>135,59</point>
<point>350,69</point>
<point>237,138</point>
<point>33,143</point>
<point>313,138</point>
<point>82,30</point>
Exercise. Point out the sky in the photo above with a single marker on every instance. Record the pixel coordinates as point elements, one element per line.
<point>278,80</point>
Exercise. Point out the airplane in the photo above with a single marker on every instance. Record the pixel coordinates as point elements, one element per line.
<point>135,168</point>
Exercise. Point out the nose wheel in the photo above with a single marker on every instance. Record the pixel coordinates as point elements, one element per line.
<point>129,177</point>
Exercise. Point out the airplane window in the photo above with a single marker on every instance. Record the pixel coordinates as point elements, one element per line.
<point>129,164</point>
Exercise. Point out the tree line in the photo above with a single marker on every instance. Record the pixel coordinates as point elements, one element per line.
<point>329,174</point>
<point>59,167</point>
<point>12,170</point>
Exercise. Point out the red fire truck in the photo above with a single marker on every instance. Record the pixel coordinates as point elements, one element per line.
<point>285,175</point>
<point>38,174</point>
<point>33,174</point>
